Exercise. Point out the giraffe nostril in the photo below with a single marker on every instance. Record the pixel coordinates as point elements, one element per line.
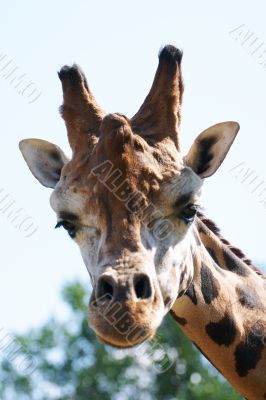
<point>105,288</point>
<point>142,286</point>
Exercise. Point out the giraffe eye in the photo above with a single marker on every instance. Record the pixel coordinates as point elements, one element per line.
<point>188,213</point>
<point>69,227</point>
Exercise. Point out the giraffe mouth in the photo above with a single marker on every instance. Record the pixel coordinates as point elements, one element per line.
<point>124,336</point>
<point>125,324</point>
<point>124,345</point>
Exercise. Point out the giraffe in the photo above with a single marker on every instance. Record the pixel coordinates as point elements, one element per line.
<point>131,201</point>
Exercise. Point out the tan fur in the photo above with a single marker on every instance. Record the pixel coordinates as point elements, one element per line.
<point>252,386</point>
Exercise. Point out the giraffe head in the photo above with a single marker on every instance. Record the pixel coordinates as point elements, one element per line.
<point>128,198</point>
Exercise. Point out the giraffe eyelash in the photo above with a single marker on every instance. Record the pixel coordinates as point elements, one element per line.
<point>68,226</point>
<point>189,213</point>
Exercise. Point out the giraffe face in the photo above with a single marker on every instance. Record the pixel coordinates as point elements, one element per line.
<point>128,198</point>
<point>131,216</point>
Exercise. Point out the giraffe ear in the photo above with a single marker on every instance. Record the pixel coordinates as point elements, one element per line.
<point>45,160</point>
<point>210,148</point>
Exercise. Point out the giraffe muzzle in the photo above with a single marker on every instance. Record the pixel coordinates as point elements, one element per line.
<point>124,313</point>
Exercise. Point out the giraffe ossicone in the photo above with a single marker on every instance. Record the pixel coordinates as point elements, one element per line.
<point>130,200</point>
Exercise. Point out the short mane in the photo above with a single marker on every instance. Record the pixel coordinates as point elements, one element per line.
<point>239,253</point>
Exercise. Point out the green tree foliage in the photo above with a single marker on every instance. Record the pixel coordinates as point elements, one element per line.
<point>72,364</point>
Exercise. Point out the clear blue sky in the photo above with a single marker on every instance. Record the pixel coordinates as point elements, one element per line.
<point>116,43</point>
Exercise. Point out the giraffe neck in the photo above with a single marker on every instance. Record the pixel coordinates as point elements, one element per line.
<point>224,313</point>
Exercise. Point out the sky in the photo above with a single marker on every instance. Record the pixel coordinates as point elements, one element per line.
<point>116,43</point>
